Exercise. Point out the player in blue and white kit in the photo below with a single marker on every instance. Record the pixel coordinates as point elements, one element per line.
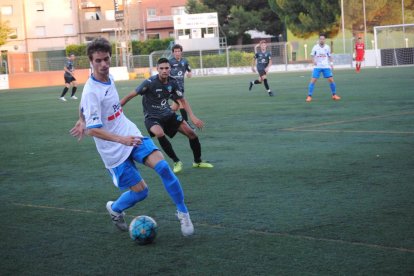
<point>161,120</point>
<point>69,77</point>
<point>262,62</point>
<point>179,68</point>
<point>323,63</point>
<point>120,143</point>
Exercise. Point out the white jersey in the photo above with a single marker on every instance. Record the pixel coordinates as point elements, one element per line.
<point>321,55</point>
<point>101,107</point>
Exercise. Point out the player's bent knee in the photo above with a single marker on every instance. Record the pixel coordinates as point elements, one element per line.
<point>140,186</point>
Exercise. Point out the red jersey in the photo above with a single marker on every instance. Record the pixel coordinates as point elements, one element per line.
<point>359,48</point>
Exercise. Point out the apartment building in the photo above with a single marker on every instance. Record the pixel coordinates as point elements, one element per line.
<point>46,25</point>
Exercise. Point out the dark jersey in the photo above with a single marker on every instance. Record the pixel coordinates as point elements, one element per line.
<point>70,66</point>
<point>178,70</point>
<point>155,96</point>
<point>262,60</point>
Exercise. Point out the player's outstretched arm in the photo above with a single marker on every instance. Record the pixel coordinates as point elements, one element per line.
<point>197,122</point>
<point>128,97</point>
<point>133,141</point>
<point>78,131</point>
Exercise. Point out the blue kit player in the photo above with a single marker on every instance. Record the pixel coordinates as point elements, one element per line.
<point>120,142</point>
<point>161,120</point>
<point>179,69</point>
<point>323,63</point>
<point>262,62</point>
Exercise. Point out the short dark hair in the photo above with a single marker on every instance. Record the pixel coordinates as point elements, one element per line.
<point>162,60</point>
<point>99,44</point>
<point>322,34</point>
<point>177,46</point>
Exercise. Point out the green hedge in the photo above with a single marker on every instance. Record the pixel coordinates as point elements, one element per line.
<point>236,59</point>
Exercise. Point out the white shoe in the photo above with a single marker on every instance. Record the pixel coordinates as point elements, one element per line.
<point>117,218</point>
<point>187,228</point>
<point>62,99</point>
<point>74,97</point>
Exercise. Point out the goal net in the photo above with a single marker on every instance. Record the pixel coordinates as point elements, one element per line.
<point>394,45</point>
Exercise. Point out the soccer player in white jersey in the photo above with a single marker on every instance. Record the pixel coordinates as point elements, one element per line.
<point>323,63</point>
<point>120,143</point>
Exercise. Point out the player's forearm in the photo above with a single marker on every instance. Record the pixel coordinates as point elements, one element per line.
<point>127,98</point>
<point>104,135</point>
<point>186,105</point>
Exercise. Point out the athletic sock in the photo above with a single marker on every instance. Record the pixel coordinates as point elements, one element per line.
<point>266,84</point>
<point>64,91</point>
<point>168,149</point>
<point>129,199</point>
<point>311,88</point>
<point>172,185</point>
<point>196,148</point>
<point>333,88</point>
<point>73,91</point>
<point>257,82</point>
<point>184,114</point>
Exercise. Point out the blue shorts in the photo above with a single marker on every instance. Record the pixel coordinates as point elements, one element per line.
<point>127,174</point>
<point>327,73</point>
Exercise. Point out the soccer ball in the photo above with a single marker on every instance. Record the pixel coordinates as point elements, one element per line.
<point>143,230</point>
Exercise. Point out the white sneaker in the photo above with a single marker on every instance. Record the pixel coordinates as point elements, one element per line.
<point>74,97</point>
<point>117,218</point>
<point>187,228</point>
<point>62,99</point>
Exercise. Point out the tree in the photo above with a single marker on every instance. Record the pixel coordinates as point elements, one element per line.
<point>195,6</point>
<point>377,12</point>
<point>241,21</point>
<point>308,17</point>
<point>4,32</point>
<point>238,16</point>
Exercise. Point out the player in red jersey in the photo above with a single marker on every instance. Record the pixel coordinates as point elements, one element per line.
<point>359,53</point>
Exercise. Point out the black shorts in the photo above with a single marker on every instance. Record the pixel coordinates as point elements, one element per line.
<point>261,72</point>
<point>69,79</point>
<point>169,124</point>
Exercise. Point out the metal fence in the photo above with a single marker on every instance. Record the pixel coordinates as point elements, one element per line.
<point>284,55</point>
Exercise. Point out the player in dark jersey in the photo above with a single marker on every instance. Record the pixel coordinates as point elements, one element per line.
<point>262,62</point>
<point>69,78</point>
<point>179,68</point>
<point>161,120</point>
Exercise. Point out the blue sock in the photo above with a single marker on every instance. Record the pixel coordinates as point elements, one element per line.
<point>171,184</point>
<point>333,88</point>
<point>129,199</point>
<point>311,87</point>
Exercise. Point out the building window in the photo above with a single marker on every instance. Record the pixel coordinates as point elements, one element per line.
<point>110,15</point>
<point>153,36</point>
<point>151,12</point>
<point>95,15</point>
<point>7,10</point>
<point>40,31</point>
<point>68,29</point>
<point>178,11</point>
<point>40,7</point>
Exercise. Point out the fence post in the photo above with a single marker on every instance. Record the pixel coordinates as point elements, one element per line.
<point>201,63</point>
<point>151,64</point>
<point>38,64</point>
<point>286,57</point>
<point>228,59</point>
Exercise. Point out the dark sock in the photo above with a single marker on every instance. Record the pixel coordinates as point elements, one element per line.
<point>257,82</point>
<point>196,148</point>
<point>74,90</point>
<point>64,91</point>
<point>266,84</point>
<point>167,147</point>
<point>184,114</point>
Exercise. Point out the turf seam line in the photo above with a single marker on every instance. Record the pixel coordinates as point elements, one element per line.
<point>350,131</point>
<point>348,121</point>
<point>279,234</point>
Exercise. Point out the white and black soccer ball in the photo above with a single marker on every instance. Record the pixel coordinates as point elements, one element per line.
<point>143,229</point>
